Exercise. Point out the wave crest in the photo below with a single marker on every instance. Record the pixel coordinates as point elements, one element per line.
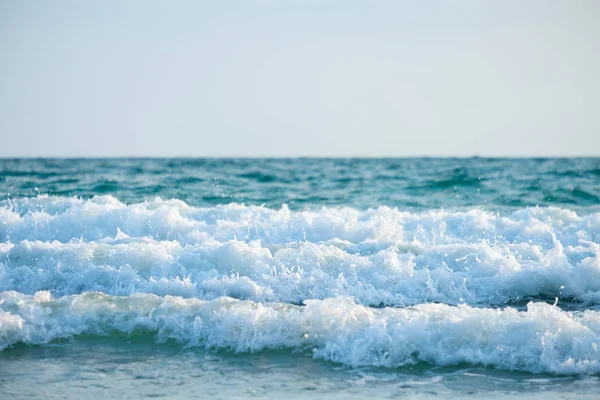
<point>541,339</point>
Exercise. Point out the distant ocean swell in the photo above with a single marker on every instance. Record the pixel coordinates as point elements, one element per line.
<point>518,289</point>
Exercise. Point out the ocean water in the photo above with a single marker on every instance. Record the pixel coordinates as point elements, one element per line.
<point>300,278</point>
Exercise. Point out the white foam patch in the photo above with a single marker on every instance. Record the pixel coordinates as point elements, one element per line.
<point>541,339</point>
<point>379,256</point>
<point>63,219</point>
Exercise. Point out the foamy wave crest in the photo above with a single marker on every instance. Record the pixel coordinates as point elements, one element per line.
<point>57,218</point>
<point>381,256</point>
<point>541,339</point>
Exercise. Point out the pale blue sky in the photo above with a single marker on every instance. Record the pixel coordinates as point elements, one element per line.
<point>299,78</point>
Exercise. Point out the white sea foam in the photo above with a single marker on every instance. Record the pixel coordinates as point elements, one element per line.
<point>541,339</point>
<point>62,261</point>
<point>380,256</point>
<point>50,218</point>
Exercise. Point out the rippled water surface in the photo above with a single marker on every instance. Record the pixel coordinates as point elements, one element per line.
<point>419,183</point>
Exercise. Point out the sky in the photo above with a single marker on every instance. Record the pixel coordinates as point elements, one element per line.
<point>299,78</point>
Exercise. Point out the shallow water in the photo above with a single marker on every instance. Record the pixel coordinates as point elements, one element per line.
<point>132,369</point>
<point>336,278</point>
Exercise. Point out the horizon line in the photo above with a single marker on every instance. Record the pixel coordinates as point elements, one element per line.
<point>251,157</point>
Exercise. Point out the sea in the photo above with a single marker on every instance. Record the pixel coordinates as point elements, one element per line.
<point>219,278</point>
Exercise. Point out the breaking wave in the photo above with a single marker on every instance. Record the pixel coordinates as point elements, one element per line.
<point>380,257</point>
<point>353,286</point>
<point>541,339</point>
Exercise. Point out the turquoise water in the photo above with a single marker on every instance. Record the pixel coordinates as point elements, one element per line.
<point>417,183</point>
<point>329,278</point>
